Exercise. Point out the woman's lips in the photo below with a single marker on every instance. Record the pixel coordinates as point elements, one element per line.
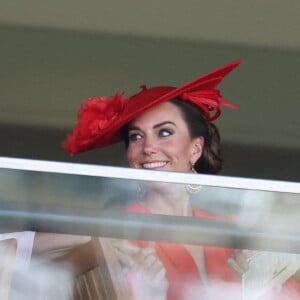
<point>154,164</point>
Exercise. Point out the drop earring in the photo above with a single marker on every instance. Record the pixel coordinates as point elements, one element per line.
<point>193,188</point>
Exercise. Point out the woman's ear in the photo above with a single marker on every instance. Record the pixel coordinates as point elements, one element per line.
<point>197,149</point>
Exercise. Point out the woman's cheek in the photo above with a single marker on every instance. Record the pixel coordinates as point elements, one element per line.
<point>131,157</point>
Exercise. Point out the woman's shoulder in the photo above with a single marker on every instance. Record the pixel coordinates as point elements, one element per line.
<point>137,207</point>
<point>199,213</point>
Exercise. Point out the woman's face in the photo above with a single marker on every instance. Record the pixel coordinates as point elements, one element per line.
<point>159,140</point>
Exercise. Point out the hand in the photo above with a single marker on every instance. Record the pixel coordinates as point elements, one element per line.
<point>239,260</point>
<point>145,267</point>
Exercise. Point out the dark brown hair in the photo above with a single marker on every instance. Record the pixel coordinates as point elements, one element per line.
<point>210,161</point>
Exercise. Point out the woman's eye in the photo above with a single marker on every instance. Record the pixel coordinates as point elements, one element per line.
<point>165,132</point>
<point>134,137</point>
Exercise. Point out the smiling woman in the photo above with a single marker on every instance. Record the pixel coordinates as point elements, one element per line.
<point>159,139</point>
<point>169,129</point>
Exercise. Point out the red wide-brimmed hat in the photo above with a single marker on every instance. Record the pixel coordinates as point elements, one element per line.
<point>100,119</point>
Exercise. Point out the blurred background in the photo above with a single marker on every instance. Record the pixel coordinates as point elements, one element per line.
<point>56,53</point>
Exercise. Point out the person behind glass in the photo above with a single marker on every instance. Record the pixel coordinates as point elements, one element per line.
<point>169,129</point>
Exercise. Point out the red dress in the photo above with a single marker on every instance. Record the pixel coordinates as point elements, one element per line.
<point>182,273</point>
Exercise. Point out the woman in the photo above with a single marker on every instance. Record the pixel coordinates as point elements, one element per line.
<point>169,129</point>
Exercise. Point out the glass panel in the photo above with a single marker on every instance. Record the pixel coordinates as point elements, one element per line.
<point>236,225</point>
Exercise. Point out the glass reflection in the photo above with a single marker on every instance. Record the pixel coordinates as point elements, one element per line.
<point>72,235</point>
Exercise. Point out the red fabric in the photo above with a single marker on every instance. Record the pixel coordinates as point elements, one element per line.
<point>184,278</point>
<point>182,273</point>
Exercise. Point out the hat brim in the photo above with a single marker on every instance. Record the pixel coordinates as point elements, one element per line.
<point>144,100</point>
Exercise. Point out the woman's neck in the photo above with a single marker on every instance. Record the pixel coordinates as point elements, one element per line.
<point>168,202</point>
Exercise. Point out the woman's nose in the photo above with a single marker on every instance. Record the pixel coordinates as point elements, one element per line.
<point>150,145</point>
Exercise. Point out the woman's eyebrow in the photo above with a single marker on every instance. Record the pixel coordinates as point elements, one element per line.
<point>155,126</point>
<point>134,128</point>
<point>164,123</point>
